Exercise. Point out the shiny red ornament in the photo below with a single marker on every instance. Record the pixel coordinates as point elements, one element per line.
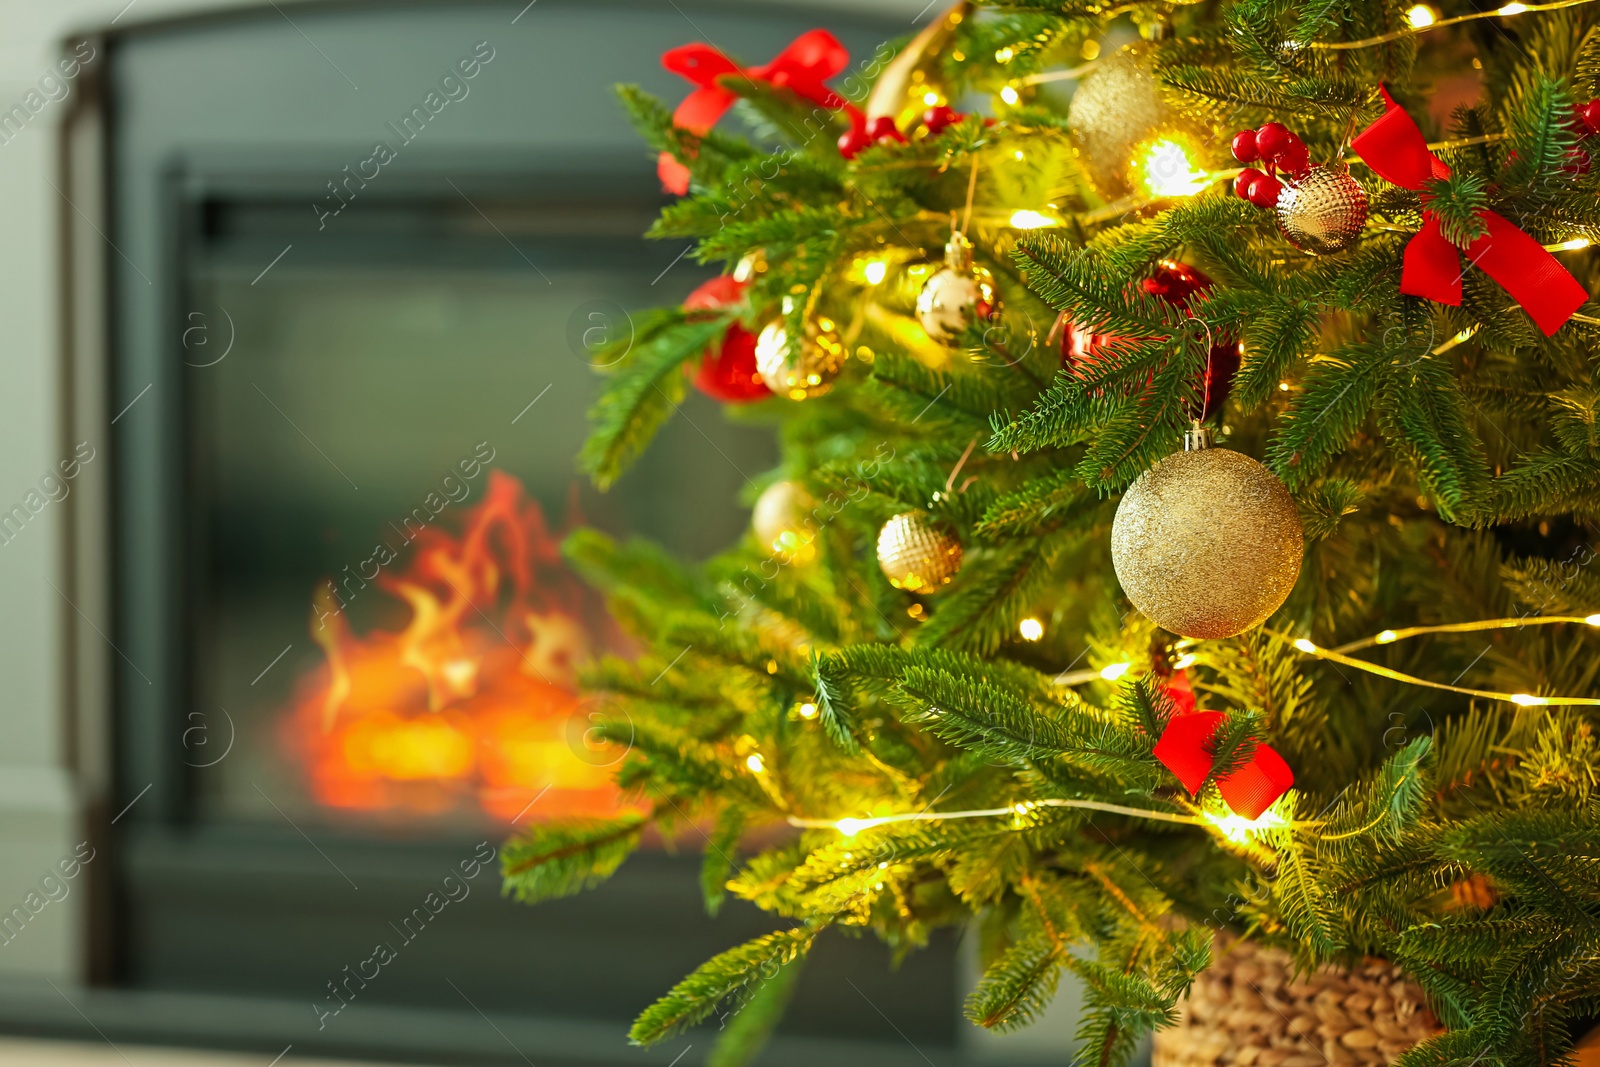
<point>727,371</point>
<point>1264,191</point>
<point>1175,283</point>
<point>1244,146</point>
<point>1294,159</point>
<point>1272,139</point>
<point>853,141</point>
<point>1589,115</point>
<point>939,117</point>
<point>1245,182</point>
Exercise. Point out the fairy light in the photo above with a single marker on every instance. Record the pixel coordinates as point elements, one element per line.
<point>1240,830</point>
<point>930,98</point>
<point>1166,170</point>
<point>1183,662</point>
<point>875,271</point>
<point>808,710</point>
<point>756,764</point>
<point>1415,23</point>
<point>1341,656</point>
<point>1031,629</point>
<point>850,827</point>
<point>1004,55</point>
<point>1113,671</point>
<point>1027,219</point>
<point>1571,246</point>
<point>1009,94</point>
<point>1421,15</point>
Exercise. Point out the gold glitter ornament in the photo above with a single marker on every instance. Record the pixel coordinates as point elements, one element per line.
<point>957,296</point>
<point>1127,138</point>
<point>1323,212</point>
<point>801,370</point>
<point>782,522</point>
<point>916,553</point>
<point>1207,543</point>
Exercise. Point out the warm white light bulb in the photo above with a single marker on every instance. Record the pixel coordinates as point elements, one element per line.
<point>851,827</point>
<point>1512,9</point>
<point>1387,636</point>
<point>756,764</point>
<point>1527,700</point>
<point>1306,646</point>
<point>808,710</point>
<point>1114,671</point>
<point>1593,620</point>
<point>1009,95</point>
<point>1031,220</point>
<point>875,271</point>
<point>1420,16</point>
<point>1030,629</point>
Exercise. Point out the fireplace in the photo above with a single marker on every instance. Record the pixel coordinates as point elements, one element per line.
<point>351,346</point>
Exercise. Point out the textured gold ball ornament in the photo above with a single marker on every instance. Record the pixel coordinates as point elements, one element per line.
<point>1323,212</point>
<point>804,369</point>
<point>781,520</point>
<point>917,554</point>
<point>959,295</point>
<point>1128,139</point>
<point>1207,543</point>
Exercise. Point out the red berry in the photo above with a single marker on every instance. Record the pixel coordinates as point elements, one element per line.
<point>852,141</point>
<point>1245,182</point>
<point>1294,159</point>
<point>883,128</point>
<point>1272,139</point>
<point>1244,146</point>
<point>1591,115</point>
<point>936,118</point>
<point>1264,191</point>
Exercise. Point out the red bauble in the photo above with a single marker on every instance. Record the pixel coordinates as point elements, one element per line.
<point>852,141</point>
<point>1589,114</point>
<point>1175,283</point>
<point>1244,146</point>
<point>1264,191</point>
<point>1295,159</point>
<point>938,117</point>
<point>727,371</point>
<point>1272,139</point>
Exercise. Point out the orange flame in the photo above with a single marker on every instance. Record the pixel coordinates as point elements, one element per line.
<point>474,700</point>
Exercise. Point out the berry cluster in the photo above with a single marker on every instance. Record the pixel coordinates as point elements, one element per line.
<point>1274,145</point>
<point>864,132</point>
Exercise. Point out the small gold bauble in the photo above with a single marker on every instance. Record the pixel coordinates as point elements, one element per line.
<point>1207,543</point>
<point>800,370</point>
<point>782,522</point>
<point>957,296</point>
<point>1127,138</point>
<point>917,554</point>
<point>1323,212</point>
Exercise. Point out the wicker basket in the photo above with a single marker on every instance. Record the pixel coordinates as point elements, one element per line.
<point>1250,1009</point>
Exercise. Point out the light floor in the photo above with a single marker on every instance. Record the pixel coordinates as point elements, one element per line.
<point>21,1052</point>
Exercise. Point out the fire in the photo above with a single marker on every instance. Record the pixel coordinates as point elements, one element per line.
<point>473,701</point>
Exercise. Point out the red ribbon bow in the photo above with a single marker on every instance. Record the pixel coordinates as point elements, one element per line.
<point>1184,749</point>
<point>1397,152</point>
<point>803,68</point>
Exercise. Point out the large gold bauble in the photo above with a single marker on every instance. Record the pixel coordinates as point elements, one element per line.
<point>1207,543</point>
<point>917,554</point>
<point>957,296</point>
<point>782,521</point>
<point>1128,139</point>
<point>800,370</point>
<point>1323,212</point>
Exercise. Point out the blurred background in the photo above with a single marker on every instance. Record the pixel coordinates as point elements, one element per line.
<point>303,301</point>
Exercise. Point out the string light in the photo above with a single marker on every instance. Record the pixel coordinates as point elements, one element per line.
<point>756,764</point>
<point>1031,629</point>
<point>851,827</point>
<point>1032,220</point>
<point>1340,655</point>
<point>808,710</point>
<point>1240,830</point>
<point>1416,26</point>
<point>875,271</point>
<point>1183,662</point>
<point>1113,671</point>
<point>1166,170</point>
<point>1008,93</point>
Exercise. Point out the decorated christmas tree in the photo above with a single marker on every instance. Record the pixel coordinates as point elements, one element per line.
<point>1177,572</point>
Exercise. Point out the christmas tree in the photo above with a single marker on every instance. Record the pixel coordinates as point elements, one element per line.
<point>1208,408</point>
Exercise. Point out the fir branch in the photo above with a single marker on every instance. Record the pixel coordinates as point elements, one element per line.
<point>562,858</point>
<point>746,1034</point>
<point>694,999</point>
<point>717,864</point>
<point>1016,988</point>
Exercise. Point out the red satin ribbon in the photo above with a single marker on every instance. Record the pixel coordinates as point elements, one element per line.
<point>803,68</point>
<point>1397,152</point>
<point>1185,750</point>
